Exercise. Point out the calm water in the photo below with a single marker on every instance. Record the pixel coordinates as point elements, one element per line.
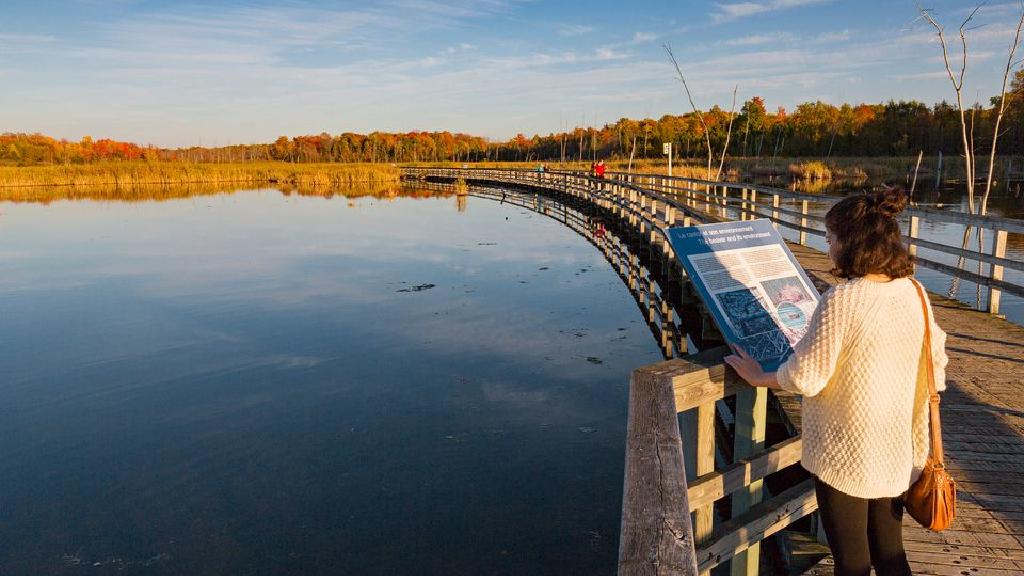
<point>1005,202</point>
<point>262,384</point>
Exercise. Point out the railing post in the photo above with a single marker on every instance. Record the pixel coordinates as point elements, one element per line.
<point>743,204</point>
<point>912,232</point>
<point>996,271</point>
<point>751,414</point>
<point>803,222</point>
<point>753,214</point>
<point>775,210</point>
<point>704,518</point>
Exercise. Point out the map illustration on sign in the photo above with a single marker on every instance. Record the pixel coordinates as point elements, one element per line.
<point>756,291</point>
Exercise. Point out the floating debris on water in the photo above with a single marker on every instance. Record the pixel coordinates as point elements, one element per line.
<point>587,429</point>
<point>594,360</point>
<point>417,288</point>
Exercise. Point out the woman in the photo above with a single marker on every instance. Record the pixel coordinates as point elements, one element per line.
<point>865,424</point>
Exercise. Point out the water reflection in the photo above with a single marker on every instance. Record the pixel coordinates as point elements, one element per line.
<point>262,382</point>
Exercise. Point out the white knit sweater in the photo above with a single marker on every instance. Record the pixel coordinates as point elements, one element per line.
<point>863,432</point>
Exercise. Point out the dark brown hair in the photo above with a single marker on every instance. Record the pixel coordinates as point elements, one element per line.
<point>868,234</point>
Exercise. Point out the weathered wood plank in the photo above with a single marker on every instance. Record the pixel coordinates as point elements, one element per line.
<point>957,552</point>
<point>709,488</point>
<point>944,570</point>
<point>656,536</point>
<point>964,538</point>
<point>704,514</point>
<point>751,417</point>
<point>758,523</point>
<point>703,378</point>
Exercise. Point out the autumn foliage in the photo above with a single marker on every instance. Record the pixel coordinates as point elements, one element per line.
<point>812,129</point>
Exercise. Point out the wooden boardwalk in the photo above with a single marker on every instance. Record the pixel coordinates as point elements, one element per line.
<point>983,433</point>
<point>982,408</point>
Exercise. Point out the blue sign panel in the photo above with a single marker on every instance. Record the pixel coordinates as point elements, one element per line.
<point>758,294</point>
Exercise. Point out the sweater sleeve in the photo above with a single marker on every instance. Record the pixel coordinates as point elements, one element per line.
<point>808,370</point>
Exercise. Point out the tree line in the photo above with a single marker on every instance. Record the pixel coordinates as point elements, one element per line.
<point>813,129</point>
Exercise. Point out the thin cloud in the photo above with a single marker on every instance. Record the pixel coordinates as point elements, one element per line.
<point>573,30</point>
<point>756,39</point>
<point>781,37</point>
<point>734,11</point>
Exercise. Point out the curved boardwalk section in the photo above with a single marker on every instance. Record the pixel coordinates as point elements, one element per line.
<point>982,410</point>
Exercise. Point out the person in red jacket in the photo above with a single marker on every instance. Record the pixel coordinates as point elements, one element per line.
<point>599,169</point>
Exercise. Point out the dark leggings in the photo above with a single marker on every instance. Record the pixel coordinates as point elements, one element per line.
<point>863,532</point>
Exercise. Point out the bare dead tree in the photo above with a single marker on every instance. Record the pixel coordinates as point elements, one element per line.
<point>957,80</point>
<point>1010,65</point>
<point>728,133</point>
<point>631,153</point>
<point>700,115</point>
<point>917,167</point>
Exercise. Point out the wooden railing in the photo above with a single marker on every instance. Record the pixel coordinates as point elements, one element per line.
<point>644,194</point>
<point>658,536</point>
<point>754,201</point>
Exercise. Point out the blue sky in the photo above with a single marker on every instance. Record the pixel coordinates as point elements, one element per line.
<point>181,73</point>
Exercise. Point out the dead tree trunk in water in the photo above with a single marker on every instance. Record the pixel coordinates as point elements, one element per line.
<point>967,136</point>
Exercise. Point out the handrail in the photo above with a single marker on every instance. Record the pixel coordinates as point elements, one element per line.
<point>657,536</point>
<point>987,221</point>
<point>633,192</point>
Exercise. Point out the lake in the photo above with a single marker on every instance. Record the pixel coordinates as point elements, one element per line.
<point>262,383</point>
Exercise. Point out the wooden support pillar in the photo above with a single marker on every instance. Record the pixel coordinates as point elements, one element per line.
<point>751,415</point>
<point>776,200</point>
<point>996,271</point>
<point>753,214</point>
<point>743,203</point>
<point>704,517</point>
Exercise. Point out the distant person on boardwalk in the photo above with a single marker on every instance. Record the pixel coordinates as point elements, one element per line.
<point>599,169</point>
<point>865,427</point>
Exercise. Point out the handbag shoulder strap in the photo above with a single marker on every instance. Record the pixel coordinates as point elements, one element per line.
<point>934,424</point>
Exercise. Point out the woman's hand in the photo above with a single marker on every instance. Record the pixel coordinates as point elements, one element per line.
<point>750,369</point>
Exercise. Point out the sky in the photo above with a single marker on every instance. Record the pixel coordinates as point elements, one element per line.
<point>220,72</point>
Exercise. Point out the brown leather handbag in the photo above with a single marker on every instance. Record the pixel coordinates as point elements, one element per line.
<point>931,500</point>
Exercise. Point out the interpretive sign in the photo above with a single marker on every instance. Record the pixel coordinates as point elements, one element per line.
<point>751,283</point>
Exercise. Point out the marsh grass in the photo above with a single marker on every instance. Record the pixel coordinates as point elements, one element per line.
<point>160,193</point>
<point>136,174</point>
<point>813,170</point>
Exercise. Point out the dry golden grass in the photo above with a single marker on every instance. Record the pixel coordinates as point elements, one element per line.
<point>812,170</point>
<point>134,174</point>
<point>158,193</point>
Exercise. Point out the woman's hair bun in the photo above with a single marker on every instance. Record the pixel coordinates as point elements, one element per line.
<point>890,201</point>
